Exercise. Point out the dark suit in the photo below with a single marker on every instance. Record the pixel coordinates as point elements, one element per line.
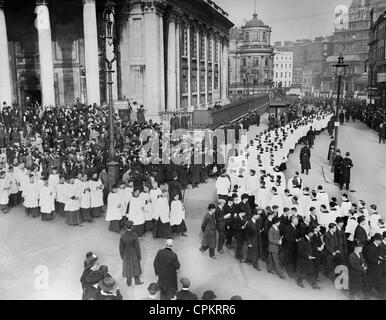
<point>220,225</point>
<point>341,241</point>
<point>229,223</point>
<point>360,235</point>
<point>330,247</point>
<point>357,273</point>
<point>304,265</point>
<point>290,247</point>
<point>374,272</point>
<point>166,265</point>
<point>186,295</point>
<point>253,237</point>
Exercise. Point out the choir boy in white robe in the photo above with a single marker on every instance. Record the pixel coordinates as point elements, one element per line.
<point>345,207</point>
<point>162,227</point>
<point>136,213</point>
<point>85,199</point>
<point>126,194</point>
<point>115,209</point>
<point>264,196</point>
<point>20,178</point>
<point>148,209</point>
<point>53,179</point>
<point>31,197</point>
<point>4,191</point>
<point>14,189</point>
<point>177,216</point>
<point>47,200</point>
<point>96,196</point>
<point>154,194</point>
<point>72,204</point>
<point>323,197</point>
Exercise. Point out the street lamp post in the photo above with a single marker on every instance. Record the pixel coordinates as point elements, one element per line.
<point>340,69</point>
<point>109,36</point>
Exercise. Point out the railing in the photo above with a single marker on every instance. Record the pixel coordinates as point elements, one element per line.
<point>166,116</point>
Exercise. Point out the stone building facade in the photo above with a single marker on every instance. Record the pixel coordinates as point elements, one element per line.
<point>171,54</point>
<point>250,57</point>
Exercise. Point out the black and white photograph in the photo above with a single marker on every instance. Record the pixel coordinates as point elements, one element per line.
<point>206,150</point>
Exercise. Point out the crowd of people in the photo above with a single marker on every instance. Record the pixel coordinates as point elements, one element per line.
<point>54,162</point>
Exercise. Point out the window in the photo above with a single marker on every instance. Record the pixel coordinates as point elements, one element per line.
<point>277,74</point>
<point>266,62</point>
<point>285,75</point>
<point>264,36</point>
<point>244,62</point>
<point>290,65</point>
<point>285,83</point>
<point>256,61</point>
<point>257,36</point>
<point>281,66</point>
<point>247,36</point>
<point>281,74</point>
<point>289,74</point>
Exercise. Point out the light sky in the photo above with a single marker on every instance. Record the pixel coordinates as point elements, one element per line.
<point>289,19</point>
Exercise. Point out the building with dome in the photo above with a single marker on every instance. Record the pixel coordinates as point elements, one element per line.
<point>250,58</point>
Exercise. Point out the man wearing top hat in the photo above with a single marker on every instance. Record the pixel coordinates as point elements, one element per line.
<point>130,252</point>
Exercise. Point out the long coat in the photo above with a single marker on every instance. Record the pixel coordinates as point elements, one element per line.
<point>131,255</point>
<point>208,227</point>
<point>338,168</point>
<point>304,265</point>
<point>166,265</point>
<point>305,154</point>
<point>357,273</point>
<point>346,168</point>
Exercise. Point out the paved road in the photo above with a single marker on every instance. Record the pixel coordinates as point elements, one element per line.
<point>28,243</point>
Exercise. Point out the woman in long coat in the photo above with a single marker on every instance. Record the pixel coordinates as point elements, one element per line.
<point>130,252</point>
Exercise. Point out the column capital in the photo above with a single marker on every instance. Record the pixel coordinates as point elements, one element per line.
<point>88,1</point>
<point>157,6</point>
<point>41,2</point>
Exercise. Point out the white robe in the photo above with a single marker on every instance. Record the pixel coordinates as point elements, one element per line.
<point>96,193</point>
<point>61,192</point>
<point>177,212</point>
<point>136,213</point>
<point>125,195</point>
<point>4,185</point>
<point>163,210</point>
<point>31,195</point>
<point>85,198</point>
<point>11,177</point>
<point>47,199</point>
<point>72,190</point>
<point>53,180</point>
<point>114,207</point>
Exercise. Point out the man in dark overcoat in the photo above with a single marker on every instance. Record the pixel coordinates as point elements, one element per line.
<point>346,171</point>
<point>208,227</point>
<point>166,265</point>
<point>253,237</point>
<point>374,262</point>
<point>357,268</point>
<point>305,258</point>
<point>305,155</point>
<point>220,224</point>
<point>130,254</point>
<point>290,242</point>
<point>338,167</point>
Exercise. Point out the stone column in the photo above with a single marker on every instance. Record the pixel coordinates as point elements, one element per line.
<point>91,51</point>
<point>226,69</point>
<point>198,35</point>
<point>206,68</point>
<point>45,53</point>
<point>154,46</point>
<point>212,38</point>
<point>172,64</point>
<point>5,73</point>
<point>178,62</point>
<point>162,62</point>
<point>189,68</point>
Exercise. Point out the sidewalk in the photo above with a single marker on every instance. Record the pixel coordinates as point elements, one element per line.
<point>368,176</point>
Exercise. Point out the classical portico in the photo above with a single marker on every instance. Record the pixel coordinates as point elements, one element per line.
<point>172,54</point>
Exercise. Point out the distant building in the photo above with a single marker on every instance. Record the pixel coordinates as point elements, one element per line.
<point>377,59</point>
<point>353,41</point>
<point>250,58</point>
<point>283,68</point>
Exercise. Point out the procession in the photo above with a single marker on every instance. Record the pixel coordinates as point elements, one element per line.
<point>171,150</point>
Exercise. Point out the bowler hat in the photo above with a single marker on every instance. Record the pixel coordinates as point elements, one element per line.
<point>129,224</point>
<point>208,295</point>
<point>108,284</point>
<point>378,236</point>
